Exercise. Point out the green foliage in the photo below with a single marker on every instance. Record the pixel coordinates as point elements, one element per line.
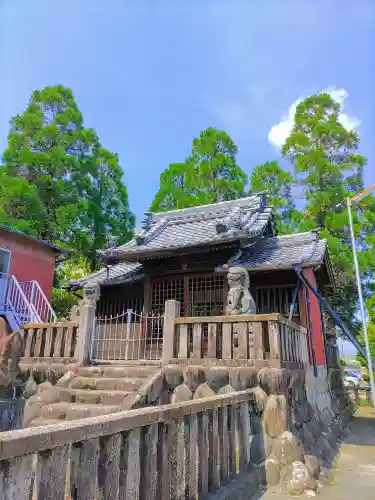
<point>209,175</point>
<point>62,299</point>
<point>68,187</point>
<point>20,207</point>
<point>278,184</point>
<point>62,303</point>
<point>328,168</point>
<point>371,339</point>
<point>104,210</point>
<point>71,270</point>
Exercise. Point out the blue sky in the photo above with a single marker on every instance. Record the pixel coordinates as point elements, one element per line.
<point>150,75</point>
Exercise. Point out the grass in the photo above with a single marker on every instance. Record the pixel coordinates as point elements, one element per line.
<point>363,402</point>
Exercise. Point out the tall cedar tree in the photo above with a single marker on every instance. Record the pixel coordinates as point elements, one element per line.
<point>278,184</point>
<point>68,188</point>
<point>105,211</point>
<point>328,167</point>
<point>209,175</point>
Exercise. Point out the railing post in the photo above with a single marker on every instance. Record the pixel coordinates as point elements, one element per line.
<point>275,333</point>
<point>86,322</point>
<point>32,293</point>
<point>172,311</point>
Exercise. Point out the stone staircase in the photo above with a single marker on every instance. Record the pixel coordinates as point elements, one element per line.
<point>89,391</point>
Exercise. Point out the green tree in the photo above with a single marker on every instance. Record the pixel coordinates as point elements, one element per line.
<point>278,184</point>
<point>20,207</point>
<point>209,175</point>
<point>45,146</point>
<point>371,339</point>
<point>64,180</point>
<point>328,168</point>
<point>104,209</point>
<point>62,299</point>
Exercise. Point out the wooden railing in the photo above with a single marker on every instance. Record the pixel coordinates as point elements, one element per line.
<point>293,342</point>
<point>50,340</point>
<point>183,450</point>
<point>262,338</point>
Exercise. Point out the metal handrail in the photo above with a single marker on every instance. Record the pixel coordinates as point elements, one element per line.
<point>52,317</point>
<point>14,285</point>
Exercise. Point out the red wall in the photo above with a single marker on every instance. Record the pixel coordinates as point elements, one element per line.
<point>31,260</point>
<point>317,331</point>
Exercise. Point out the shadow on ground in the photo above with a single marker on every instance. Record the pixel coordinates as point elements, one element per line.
<point>362,428</point>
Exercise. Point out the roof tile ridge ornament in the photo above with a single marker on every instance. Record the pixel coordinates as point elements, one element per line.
<point>253,217</point>
<point>306,257</point>
<point>148,234</point>
<point>263,200</point>
<point>232,221</point>
<point>229,263</point>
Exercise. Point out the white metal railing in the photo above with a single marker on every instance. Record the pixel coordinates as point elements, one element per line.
<point>127,336</point>
<point>39,301</point>
<point>17,303</point>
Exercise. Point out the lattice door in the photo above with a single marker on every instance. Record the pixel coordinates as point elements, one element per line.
<point>162,290</point>
<point>206,295</point>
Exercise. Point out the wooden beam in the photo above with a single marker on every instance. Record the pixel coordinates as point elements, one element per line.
<point>48,325</point>
<point>228,319</point>
<point>147,294</point>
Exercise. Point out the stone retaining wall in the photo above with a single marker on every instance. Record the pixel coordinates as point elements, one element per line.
<point>297,419</point>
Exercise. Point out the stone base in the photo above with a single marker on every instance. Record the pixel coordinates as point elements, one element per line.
<point>297,421</point>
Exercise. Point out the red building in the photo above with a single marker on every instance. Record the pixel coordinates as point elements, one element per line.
<point>27,267</point>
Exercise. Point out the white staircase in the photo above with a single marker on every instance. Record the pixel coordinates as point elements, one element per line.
<point>23,302</point>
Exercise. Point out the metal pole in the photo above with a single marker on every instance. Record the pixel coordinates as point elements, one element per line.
<point>361,304</point>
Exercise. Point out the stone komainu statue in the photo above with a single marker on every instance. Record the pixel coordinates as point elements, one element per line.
<point>240,300</point>
<point>91,293</point>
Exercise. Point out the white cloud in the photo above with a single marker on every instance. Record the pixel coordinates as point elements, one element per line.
<point>278,133</point>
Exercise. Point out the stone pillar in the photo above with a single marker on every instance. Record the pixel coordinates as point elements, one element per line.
<point>172,311</point>
<point>86,322</point>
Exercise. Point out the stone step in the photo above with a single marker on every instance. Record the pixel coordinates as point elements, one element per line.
<point>77,411</point>
<point>55,410</point>
<point>43,422</point>
<point>128,371</point>
<point>135,371</point>
<point>74,411</point>
<point>107,384</point>
<point>92,396</point>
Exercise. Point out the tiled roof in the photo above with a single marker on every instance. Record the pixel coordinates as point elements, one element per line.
<point>52,246</point>
<point>282,252</point>
<point>271,253</point>
<point>119,273</point>
<point>220,222</point>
